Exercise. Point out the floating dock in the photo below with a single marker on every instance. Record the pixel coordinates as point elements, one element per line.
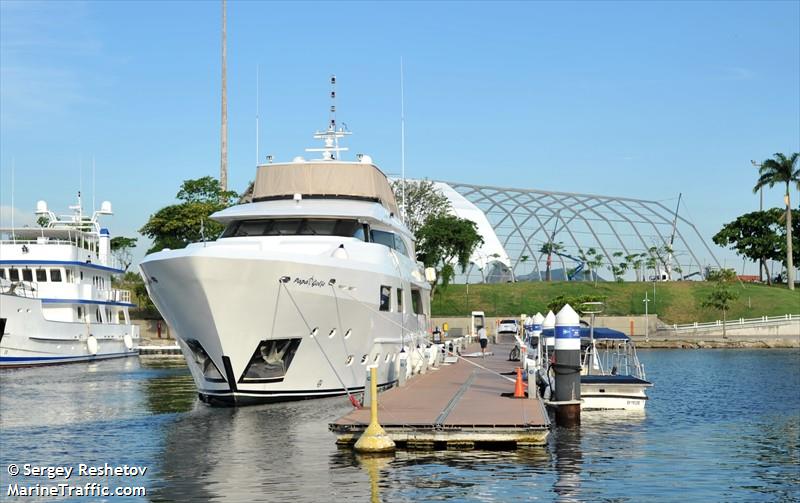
<point>464,405</point>
<point>160,350</point>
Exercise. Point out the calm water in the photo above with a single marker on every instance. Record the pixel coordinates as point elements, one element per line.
<point>721,425</point>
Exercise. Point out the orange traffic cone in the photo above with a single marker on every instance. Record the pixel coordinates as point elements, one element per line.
<point>519,387</point>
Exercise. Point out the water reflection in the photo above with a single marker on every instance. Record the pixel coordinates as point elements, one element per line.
<point>566,444</point>
<point>261,453</point>
<point>170,388</point>
<point>726,435</point>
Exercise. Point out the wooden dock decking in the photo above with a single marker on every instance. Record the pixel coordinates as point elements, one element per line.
<point>456,406</point>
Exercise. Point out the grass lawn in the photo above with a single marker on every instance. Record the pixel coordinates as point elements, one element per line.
<point>674,302</point>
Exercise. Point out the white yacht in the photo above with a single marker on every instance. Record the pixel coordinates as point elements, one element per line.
<point>57,304</point>
<point>310,283</point>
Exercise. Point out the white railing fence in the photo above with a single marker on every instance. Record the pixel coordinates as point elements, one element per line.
<point>735,322</point>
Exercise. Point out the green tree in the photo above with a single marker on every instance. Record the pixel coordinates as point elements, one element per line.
<point>558,302</point>
<point>122,249</point>
<point>422,201</point>
<point>720,299</point>
<point>177,225</point>
<point>549,248</point>
<point>42,221</point>
<point>721,275</point>
<point>636,260</point>
<point>446,240</point>
<point>620,268</point>
<point>594,261</point>
<point>782,169</point>
<point>756,235</point>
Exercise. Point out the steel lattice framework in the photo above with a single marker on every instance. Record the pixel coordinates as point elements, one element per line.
<point>525,219</point>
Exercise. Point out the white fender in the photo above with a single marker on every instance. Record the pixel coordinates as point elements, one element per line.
<point>91,344</point>
<point>128,341</point>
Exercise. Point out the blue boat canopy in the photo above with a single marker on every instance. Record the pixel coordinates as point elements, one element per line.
<point>600,334</point>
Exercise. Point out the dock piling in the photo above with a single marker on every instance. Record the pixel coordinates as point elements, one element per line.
<point>374,439</point>
<point>568,367</point>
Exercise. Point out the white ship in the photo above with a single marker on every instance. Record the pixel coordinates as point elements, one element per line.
<point>308,285</point>
<point>57,304</point>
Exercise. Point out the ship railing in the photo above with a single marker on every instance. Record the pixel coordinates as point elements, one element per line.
<point>115,295</point>
<point>763,320</point>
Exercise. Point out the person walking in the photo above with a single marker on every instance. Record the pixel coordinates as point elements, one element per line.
<point>483,340</point>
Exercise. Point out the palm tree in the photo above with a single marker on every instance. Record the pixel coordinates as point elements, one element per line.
<point>782,169</point>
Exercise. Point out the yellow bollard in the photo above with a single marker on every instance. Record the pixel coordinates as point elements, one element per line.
<point>374,438</point>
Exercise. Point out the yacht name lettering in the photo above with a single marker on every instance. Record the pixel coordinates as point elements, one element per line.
<point>312,282</point>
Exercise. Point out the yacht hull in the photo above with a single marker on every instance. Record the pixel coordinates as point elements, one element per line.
<point>316,319</point>
<point>29,339</point>
<point>612,392</point>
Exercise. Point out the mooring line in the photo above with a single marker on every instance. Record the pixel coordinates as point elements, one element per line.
<point>314,336</point>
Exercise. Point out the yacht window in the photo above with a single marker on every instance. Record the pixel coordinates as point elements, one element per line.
<point>400,246</point>
<point>69,275</point>
<point>41,275</point>
<point>80,313</point>
<point>382,237</point>
<point>3,273</point>
<point>27,275</point>
<point>295,227</point>
<point>416,301</point>
<point>386,298</point>
<point>55,275</point>
<point>13,274</point>
<point>400,300</point>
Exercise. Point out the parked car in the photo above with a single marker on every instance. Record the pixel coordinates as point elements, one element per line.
<point>508,327</point>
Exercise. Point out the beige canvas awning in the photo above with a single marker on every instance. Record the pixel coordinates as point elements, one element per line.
<point>333,179</point>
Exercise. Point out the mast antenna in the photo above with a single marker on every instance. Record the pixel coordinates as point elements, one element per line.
<point>93,185</point>
<point>13,169</point>
<point>402,143</point>
<point>223,165</point>
<point>332,126</point>
<point>258,72</point>
<point>330,152</point>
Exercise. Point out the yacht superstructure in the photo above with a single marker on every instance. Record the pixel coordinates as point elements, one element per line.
<point>309,284</point>
<point>57,304</point>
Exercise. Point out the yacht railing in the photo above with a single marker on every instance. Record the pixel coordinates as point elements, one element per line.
<point>115,295</point>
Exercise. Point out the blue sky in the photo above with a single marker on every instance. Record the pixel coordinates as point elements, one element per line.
<point>637,99</point>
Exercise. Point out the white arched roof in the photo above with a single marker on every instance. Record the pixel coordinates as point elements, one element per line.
<point>491,244</point>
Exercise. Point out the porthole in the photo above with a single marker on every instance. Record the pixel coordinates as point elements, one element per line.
<point>331,333</point>
<point>348,333</point>
<point>349,360</point>
<point>363,359</point>
<point>386,358</point>
<point>375,360</point>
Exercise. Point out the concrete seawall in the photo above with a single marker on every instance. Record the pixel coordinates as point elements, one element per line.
<point>784,334</point>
